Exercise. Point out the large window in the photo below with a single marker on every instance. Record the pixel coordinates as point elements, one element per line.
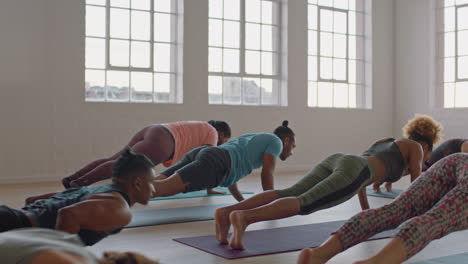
<point>339,53</point>
<point>244,52</point>
<point>455,53</point>
<point>132,51</point>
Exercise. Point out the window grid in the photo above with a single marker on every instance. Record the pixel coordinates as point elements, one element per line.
<point>137,84</point>
<point>220,78</point>
<point>454,61</point>
<point>331,91</point>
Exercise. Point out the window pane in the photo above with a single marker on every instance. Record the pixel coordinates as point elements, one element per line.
<point>215,60</point>
<point>231,60</point>
<point>462,43</point>
<point>162,57</point>
<point>119,52</point>
<point>231,34</point>
<point>326,20</point>
<point>232,9</point>
<point>142,86</point>
<point>312,68</point>
<point>325,3</point>
<point>162,87</point>
<point>267,12</point>
<point>96,2</point>
<point>251,91</point>
<point>140,54</point>
<point>95,21</point>
<point>163,6</point>
<point>339,24</point>
<point>461,2</point>
<point>342,4</point>
<point>352,4</point>
<point>216,33</point>
<point>449,44</point>
<point>449,19</point>
<point>252,36</point>
<point>352,47</point>
<point>352,71</point>
<point>462,17</point>
<point>312,16</point>
<point>326,44</point>
<point>216,8</point>
<point>141,4</point>
<point>267,38</point>
<point>162,27</point>
<point>461,94</point>
<point>117,86</point>
<point>339,69</point>
<point>352,96</point>
<point>252,10</point>
<point>95,85</point>
<point>269,92</point>
<point>312,41</point>
<point>95,53</point>
<point>360,72</point>
<point>215,89</point>
<point>141,25</point>
<point>232,90</point>
<point>326,68</point>
<point>449,2</point>
<point>120,3</point>
<point>252,62</point>
<point>463,67</point>
<point>340,95</point>
<point>339,46</point>
<point>312,94</point>
<point>267,63</point>
<point>449,95</point>
<point>352,23</point>
<point>449,70</point>
<point>119,23</point>
<point>325,94</point>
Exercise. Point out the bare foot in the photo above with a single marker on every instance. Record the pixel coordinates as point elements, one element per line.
<point>310,256</point>
<point>222,224</point>
<point>376,187</point>
<point>239,224</point>
<point>212,191</point>
<point>388,186</point>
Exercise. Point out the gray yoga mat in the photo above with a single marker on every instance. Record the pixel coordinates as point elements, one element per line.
<point>452,259</point>
<point>384,194</point>
<point>173,215</point>
<point>272,241</point>
<point>196,194</point>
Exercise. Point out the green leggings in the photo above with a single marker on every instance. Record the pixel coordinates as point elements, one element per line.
<point>333,181</point>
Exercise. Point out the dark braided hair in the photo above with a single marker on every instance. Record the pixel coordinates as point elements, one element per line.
<point>284,131</point>
<point>130,163</point>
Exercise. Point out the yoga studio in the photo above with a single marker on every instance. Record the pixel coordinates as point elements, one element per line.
<point>234,131</point>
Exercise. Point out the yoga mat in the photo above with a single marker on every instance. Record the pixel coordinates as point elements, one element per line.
<point>453,259</point>
<point>271,241</point>
<point>196,194</point>
<point>384,194</point>
<point>173,215</point>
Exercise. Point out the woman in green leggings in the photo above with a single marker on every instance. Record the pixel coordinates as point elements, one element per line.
<point>334,181</point>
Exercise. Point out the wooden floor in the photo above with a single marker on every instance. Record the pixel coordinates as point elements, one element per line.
<point>156,241</point>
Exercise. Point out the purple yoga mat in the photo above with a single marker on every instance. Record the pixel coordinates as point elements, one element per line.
<point>272,241</point>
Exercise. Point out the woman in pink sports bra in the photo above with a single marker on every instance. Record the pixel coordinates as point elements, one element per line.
<point>161,143</point>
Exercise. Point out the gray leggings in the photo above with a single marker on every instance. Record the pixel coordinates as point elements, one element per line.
<point>333,181</point>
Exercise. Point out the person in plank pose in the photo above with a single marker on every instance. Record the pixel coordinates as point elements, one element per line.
<point>434,206</point>
<point>225,165</point>
<point>92,212</point>
<point>334,181</point>
<point>161,143</point>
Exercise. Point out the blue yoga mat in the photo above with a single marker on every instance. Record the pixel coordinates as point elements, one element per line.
<point>196,194</point>
<point>384,194</point>
<point>452,259</point>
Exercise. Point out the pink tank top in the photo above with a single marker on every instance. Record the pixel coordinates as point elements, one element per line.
<point>189,135</point>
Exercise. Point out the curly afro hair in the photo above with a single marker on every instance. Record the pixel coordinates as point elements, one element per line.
<point>423,128</point>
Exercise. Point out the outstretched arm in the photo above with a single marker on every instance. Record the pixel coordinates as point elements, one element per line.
<point>363,198</point>
<point>104,213</point>
<point>235,192</point>
<point>268,168</point>
<point>415,161</point>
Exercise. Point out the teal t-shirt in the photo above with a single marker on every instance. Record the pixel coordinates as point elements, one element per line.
<point>247,153</point>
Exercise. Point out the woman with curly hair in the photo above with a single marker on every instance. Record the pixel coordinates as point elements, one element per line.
<point>335,180</point>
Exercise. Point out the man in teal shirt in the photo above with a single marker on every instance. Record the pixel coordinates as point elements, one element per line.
<point>225,165</point>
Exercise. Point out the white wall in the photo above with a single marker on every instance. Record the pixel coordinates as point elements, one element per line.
<point>49,131</point>
<point>415,68</point>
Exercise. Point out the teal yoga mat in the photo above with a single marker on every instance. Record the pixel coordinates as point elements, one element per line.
<point>452,259</point>
<point>173,215</point>
<point>196,194</point>
<point>384,194</point>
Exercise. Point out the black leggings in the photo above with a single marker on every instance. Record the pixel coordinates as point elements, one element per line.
<point>12,219</point>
